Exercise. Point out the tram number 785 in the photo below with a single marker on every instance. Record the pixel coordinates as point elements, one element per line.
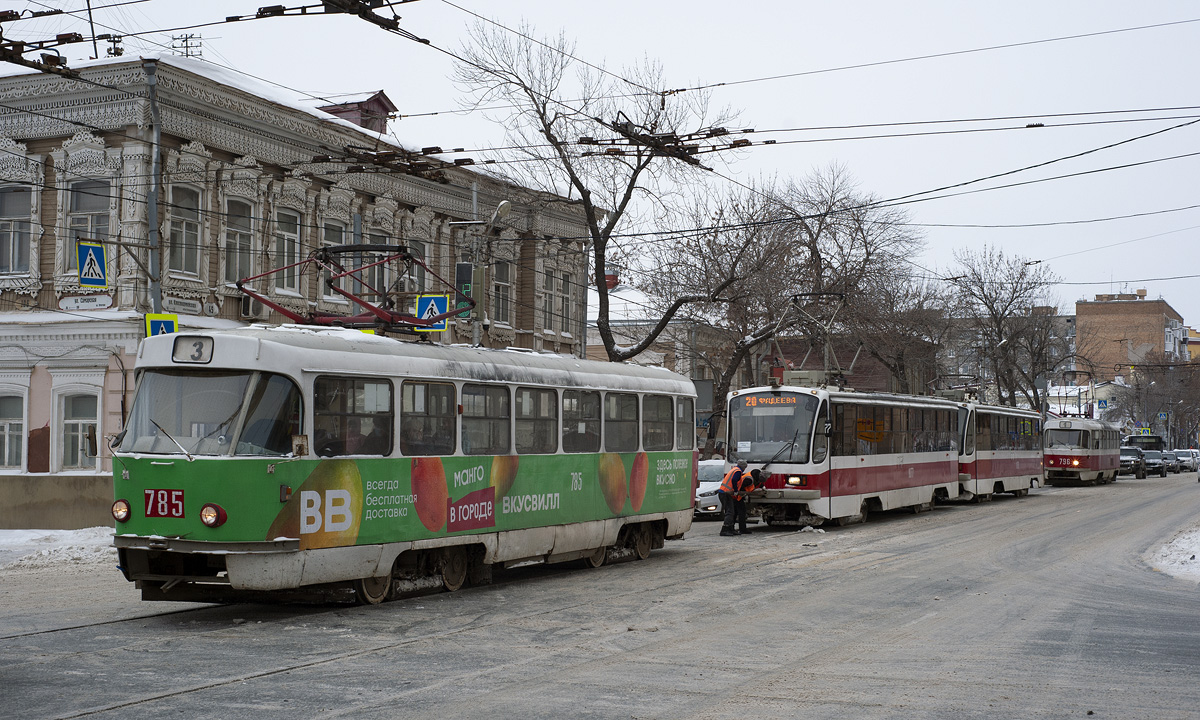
<point>164,503</point>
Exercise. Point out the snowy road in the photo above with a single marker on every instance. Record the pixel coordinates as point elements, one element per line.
<point>1044,606</point>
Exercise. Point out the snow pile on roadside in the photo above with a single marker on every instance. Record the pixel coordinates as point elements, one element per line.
<point>34,549</point>
<point>1180,556</point>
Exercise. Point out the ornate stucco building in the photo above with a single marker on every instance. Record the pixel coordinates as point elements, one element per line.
<point>247,181</point>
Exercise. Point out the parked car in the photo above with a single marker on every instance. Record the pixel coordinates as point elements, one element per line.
<point>1154,463</point>
<point>1171,461</point>
<point>1133,462</point>
<point>1187,459</point>
<point>709,479</point>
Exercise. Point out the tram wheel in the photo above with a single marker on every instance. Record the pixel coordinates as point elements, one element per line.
<point>372,590</point>
<point>642,542</point>
<point>454,569</point>
<point>597,558</point>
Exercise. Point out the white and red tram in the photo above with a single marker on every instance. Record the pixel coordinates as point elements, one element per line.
<point>1081,451</point>
<point>834,455</point>
<point>1000,450</point>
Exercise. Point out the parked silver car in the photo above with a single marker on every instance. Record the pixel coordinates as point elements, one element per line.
<point>1187,459</point>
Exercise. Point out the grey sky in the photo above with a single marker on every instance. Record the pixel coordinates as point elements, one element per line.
<point>700,43</point>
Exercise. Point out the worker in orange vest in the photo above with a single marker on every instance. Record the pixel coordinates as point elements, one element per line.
<point>733,499</point>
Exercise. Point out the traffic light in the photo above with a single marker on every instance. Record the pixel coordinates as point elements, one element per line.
<point>464,284</point>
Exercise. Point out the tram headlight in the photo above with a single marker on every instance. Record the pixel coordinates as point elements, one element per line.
<point>212,515</point>
<point>121,510</point>
<point>795,480</point>
<point>1075,462</point>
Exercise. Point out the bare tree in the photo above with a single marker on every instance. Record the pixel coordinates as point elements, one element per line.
<point>797,245</point>
<point>901,320</point>
<point>611,144</point>
<point>1005,306</point>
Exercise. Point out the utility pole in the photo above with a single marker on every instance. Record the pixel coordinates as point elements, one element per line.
<point>151,68</point>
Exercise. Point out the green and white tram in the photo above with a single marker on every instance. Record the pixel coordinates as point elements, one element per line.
<point>272,459</point>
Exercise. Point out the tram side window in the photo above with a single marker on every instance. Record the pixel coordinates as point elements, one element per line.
<point>581,421</point>
<point>353,416</point>
<point>485,420</point>
<point>427,412</point>
<point>902,429</point>
<point>272,419</point>
<point>871,437</point>
<point>537,421</point>
<point>947,430</point>
<point>658,424</point>
<point>843,430</point>
<point>685,424</point>
<point>620,422</point>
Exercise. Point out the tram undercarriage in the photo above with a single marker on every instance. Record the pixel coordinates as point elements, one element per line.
<point>180,571</point>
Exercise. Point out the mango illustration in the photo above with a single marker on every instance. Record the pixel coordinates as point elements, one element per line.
<point>504,471</point>
<point>637,480</point>
<point>326,510</point>
<point>430,492</point>
<point>612,481</point>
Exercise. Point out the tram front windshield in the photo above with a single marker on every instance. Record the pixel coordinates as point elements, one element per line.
<point>213,413</point>
<point>771,427</point>
<point>1066,439</point>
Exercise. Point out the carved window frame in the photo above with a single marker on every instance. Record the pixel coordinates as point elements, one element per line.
<point>188,168</point>
<point>292,196</point>
<point>18,167</point>
<point>243,181</point>
<point>336,207</point>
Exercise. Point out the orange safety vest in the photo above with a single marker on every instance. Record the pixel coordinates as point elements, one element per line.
<point>731,484</point>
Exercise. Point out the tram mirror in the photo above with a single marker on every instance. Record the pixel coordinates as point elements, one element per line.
<point>92,450</point>
<point>299,445</point>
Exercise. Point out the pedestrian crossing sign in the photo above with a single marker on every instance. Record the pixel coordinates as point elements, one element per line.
<point>430,306</point>
<point>161,324</point>
<point>93,271</point>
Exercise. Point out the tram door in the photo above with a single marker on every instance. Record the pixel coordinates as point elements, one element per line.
<point>968,465</point>
<point>821,458</point>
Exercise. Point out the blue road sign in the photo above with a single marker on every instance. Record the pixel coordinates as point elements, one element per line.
<point>93,271</point>
<point>161,324</point>
<point>430,306</point>
<point>1102,404</point>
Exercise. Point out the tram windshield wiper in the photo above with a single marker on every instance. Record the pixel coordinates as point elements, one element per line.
<point>789,447</point>
<point>164,432</point>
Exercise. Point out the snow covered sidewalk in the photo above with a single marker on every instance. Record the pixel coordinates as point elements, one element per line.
<point>36,549</point>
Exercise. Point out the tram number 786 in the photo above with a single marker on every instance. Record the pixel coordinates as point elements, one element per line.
<point>164,503</point>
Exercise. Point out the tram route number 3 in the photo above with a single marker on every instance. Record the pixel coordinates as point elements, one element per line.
<point>164,503</point>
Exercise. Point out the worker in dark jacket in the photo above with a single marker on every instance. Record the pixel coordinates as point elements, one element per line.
<point>734,488</point>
